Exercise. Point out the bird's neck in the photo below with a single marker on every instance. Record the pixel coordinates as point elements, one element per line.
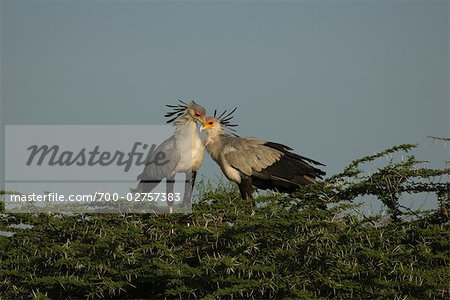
<point>184,120</point>
<point>186,128</point>
<point>214,136</point>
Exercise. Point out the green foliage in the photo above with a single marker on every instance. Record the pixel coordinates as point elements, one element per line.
<point>313,244</point>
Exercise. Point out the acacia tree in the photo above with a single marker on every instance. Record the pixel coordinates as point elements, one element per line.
<point>313,244</point>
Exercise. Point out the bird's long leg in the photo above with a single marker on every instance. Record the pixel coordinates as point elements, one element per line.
<point>189,188</point>
<point>246,188</point>
<point>169,190</point>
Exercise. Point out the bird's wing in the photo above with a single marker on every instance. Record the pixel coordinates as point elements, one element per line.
<point>249,154</point>
<point>287,150</point>
<point>158,168</point>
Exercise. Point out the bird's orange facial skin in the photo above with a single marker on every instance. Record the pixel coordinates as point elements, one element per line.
<point>209,123</point>
<point>199,116</point>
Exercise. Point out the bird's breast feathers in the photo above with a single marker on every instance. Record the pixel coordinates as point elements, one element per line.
<point>191,149</point>
<point>198,151</point>
<point>230,172</point>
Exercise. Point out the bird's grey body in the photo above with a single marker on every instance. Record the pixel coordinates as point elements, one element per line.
<point>238,156</point>
<point>254,162</point>
<point>183,153</point>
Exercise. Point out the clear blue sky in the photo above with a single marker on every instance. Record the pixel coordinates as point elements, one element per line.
<point>335,80</point>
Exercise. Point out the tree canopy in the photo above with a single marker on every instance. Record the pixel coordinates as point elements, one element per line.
<point>314,243</point>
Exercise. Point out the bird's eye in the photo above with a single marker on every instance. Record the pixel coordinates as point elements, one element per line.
<point>197,114</point>
<point>210,123</point>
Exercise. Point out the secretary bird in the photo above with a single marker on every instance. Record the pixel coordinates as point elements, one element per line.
<point>184,152</point>
<point>249,161</point>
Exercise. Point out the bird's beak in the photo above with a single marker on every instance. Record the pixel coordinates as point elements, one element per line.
<point>205,126</point>
<point>203,120</point>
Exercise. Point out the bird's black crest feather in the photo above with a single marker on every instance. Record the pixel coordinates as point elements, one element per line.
<point>225,118</point>
<point>177,110</point>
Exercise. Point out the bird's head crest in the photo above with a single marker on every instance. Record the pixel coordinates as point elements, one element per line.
<point>197,112</point>
<point>225,119</point>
